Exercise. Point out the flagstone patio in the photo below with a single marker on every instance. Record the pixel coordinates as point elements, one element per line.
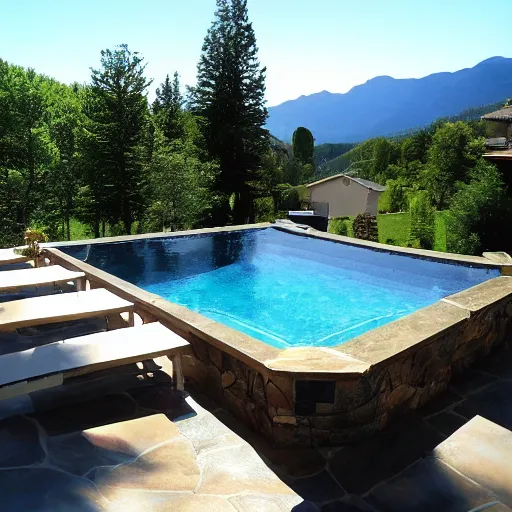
<point>152,447</point>
<point>122,443</point>
<point>118,453</point>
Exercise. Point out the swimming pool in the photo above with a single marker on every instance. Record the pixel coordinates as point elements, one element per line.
<point>283,289</point>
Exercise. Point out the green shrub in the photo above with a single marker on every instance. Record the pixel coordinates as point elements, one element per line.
<point>264,210</point>
<point>397,196</point>
<point>383,202</point>
<point>415,244</point>
<point>338,226</point>
<point>480,214</point>
<point>117,229</point>
<point>422,222</point>
<point>293,198</point>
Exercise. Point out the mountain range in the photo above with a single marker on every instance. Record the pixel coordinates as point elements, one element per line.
<point>385,105</point>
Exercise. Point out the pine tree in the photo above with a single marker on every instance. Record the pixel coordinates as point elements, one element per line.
<point>117,114</point>
<point>229,97</point>
<point>168,108</point>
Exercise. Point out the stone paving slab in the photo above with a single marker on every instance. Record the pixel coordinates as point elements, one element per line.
<point>482,451</point>
<point>319,488</point>
<point>349,503</point>
<point>429,485</point>
<point>142,501</point>
<point>446,422</point>
<point>494,402</point>
<point>497,507</point>
<point>110,408</point>
<point>471,381</point>
<point>19,443</point>
<point>360,466</point>
<point>236,469</point>
<point>276,503</point>
<point>498,363</point>
<point>79,458</point>
<point>291,462</point>
<point>48,490</point>
<point>171,466</point>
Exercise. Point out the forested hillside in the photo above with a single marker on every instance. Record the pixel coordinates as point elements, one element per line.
<point>440,168</point>
<point>335,158</point>
<point>324,153</point>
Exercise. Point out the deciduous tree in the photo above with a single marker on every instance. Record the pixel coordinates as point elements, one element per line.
<point>180,185</point>
<point>454,151</point>
<point>480,214</point>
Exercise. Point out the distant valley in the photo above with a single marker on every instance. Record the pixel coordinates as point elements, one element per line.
<point>386,106</point>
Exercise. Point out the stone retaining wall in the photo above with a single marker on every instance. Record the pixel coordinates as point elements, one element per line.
<point>395,383</point>
<point>329,396</point>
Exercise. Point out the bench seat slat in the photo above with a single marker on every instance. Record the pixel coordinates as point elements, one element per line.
<point>90,353</point>
<point>9,257</point>
<point>15,279</point>
<point>60,308</point>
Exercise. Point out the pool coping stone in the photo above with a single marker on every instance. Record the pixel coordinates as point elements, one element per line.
<point>365,382</point>
<point>354,357</point>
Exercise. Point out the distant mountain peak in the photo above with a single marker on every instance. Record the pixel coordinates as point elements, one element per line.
<point>491,60</point>
<point>381,78</point>
<point>385,105</point>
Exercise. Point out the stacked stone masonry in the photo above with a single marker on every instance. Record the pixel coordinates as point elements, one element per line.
<point>365,383</point>
<point>366,402</point>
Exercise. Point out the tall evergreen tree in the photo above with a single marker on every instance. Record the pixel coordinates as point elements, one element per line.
<point>303,145</point>
<point>229,97</point>
<point>168,108</point>
<point>117,112</point>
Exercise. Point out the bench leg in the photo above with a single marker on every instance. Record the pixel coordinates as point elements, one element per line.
<point>81,284</point>
<point>131,319</point>
<point>177,372</point>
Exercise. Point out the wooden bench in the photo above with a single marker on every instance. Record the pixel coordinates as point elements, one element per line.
<point>62,308</point>
<point>55,274</point>
<point>9,257</point>
<point>50,365</point>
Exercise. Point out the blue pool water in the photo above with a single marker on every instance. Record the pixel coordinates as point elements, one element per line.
<point>283,289</point>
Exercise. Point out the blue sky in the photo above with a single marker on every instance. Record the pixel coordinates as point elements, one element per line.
<point>307,45</point>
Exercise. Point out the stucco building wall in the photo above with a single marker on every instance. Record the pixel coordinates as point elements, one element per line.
<point>372,202</point>
<point>343,199</point>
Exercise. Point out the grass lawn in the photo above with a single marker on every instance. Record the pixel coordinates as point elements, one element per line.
<point>392,226</point>
<point>396,226</point>
<point>79,231</point>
